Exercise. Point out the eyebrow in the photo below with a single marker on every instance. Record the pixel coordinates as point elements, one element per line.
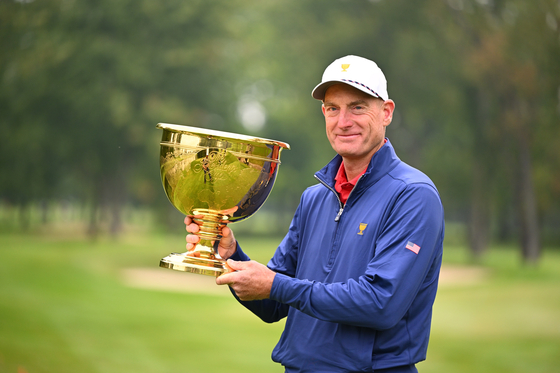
<point>353,103</point>
<point>359,102</point>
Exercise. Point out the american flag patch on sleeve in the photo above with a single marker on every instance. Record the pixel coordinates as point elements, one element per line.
<point>413,247</point>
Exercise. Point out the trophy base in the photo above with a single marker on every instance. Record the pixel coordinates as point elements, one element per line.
<point>201,266</point>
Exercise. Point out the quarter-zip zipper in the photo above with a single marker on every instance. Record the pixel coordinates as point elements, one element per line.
<point>336,244</point>
<point>341,206</point>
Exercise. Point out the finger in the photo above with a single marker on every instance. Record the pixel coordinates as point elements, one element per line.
<point>193,228</point>
<point>191,219</point>
<point>237,265</point>
<point>226,279</point>
<point>227,268</point>
<point>192,238</point>
<point>226,232</point>
<point>228,240</point>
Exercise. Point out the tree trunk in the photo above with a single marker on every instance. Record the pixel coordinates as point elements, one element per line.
<point>116,224</point>
<point>479,219</point>
<point>93,225</point>
<point>93,228</point>
<point>479,215</point>
<point>528,217</point>
<point>25,216</point>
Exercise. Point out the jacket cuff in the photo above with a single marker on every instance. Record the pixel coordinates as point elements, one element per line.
<point>280,282</point>
<point>286,289</point>
<point>239,255</point>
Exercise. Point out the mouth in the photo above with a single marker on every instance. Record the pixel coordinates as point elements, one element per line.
<point>348,136</point>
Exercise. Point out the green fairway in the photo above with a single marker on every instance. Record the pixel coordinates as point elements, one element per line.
<point>64,307</point>
<point>508,321</point>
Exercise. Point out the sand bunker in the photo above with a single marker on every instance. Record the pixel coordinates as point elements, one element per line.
<point>168,280</point>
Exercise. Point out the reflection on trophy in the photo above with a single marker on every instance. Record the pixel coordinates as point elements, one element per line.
<point>216,178</point>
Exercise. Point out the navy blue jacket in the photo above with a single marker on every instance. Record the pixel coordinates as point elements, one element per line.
<point>357,282</point>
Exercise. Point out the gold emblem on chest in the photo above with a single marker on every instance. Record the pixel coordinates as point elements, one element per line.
<point>362,227</point>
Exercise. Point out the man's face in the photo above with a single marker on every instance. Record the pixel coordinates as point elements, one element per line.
<point>355,121</point>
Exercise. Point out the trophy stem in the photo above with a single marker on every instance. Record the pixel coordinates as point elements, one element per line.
<point>202,259</point>
<point>210,222</point>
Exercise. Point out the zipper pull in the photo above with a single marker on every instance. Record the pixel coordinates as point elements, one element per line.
<point>338,215</point>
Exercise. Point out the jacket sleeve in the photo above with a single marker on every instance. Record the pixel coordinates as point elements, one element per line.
<point>382,295</point>
<point>284,260</point>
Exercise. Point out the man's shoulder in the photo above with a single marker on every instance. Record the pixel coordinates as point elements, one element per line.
<point>410,175</point>
<point>315,190</point>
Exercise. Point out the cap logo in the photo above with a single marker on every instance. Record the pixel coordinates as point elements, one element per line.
<point>344,67</point>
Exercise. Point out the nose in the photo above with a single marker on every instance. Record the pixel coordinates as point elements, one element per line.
<point>344,118</point>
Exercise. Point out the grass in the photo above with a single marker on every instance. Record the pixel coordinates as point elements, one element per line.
<point>509,322</point>
<point>65,308</point>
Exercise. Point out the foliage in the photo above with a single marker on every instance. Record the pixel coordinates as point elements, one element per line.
<point>82,85</point>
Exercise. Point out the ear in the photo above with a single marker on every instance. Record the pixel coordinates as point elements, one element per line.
<point>388,108</point>
<point>323,108</point>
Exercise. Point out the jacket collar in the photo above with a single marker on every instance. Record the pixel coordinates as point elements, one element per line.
<point>382,162</point>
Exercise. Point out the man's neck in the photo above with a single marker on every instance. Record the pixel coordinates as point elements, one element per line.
<point>354,168</point>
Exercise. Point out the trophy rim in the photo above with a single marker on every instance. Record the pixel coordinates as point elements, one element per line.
<point>219,134</point>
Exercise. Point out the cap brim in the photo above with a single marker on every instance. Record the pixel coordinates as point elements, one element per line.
<point>319,91</point>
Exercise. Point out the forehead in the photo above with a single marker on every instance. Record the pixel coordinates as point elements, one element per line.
<point>345,92</point>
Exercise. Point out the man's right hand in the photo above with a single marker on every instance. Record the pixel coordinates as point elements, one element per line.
<point>227,246</point>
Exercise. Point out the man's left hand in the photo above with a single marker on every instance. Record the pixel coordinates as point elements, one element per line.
<point>250,281</point>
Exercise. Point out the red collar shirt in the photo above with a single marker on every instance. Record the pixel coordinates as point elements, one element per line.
<point>342,185</point>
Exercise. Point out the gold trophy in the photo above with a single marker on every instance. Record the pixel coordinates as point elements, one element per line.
<point>216,178</point>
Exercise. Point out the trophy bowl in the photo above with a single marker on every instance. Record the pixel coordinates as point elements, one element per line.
<point>215,178</point>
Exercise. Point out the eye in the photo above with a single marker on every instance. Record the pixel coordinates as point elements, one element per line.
<point>331,110</point>
<point>357,109</point>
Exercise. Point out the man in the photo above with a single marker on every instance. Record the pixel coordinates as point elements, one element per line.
<point>357,273</point>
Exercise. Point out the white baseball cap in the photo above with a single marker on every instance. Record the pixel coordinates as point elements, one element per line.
<point>357,72</point>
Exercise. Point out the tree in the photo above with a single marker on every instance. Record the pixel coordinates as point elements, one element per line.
<point>502,63</point>
<point>82,86</point>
